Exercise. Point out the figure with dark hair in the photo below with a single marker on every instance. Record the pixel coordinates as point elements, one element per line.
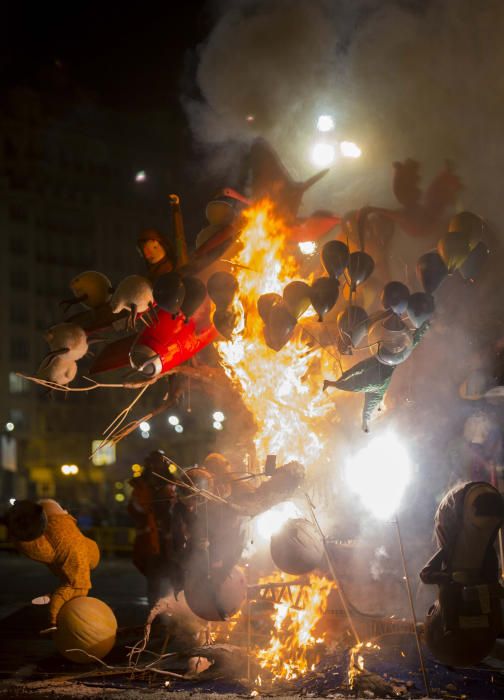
<point>45,532</point>
<point>157,250</point>
<point>151,508</point>
<point>462,626</point>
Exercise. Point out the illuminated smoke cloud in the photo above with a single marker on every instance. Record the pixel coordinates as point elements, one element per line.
<point>402,79</point>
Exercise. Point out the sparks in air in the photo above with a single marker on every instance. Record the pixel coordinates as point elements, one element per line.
<point>325,123</point>
<point>349,149</point>
<point>323,154</point>
<point>379,474</point>
<point>307,247</point>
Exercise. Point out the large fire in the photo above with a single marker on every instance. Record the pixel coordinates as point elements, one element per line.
<point>291,651</point>
<point>279,388</point>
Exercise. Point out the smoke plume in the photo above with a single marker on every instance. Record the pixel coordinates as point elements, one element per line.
<point>402,79</point>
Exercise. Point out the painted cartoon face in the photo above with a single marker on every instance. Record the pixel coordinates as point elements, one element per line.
<point>153,251</point>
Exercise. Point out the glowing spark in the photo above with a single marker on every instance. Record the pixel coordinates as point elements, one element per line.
<point>350,150</point>
<point>307,247</point>
<point>323,154</point>
<point>379,474</point>
<point>269,523</point>
<point>325,122</point>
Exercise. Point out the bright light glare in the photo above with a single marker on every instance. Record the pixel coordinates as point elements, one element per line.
<point>350,150</point>
<point>217,425</point>
<point>9,427</point>
<point>325,122</point>
<point>68,469</point>
<point>323,154</point>
<point>173,420</point>
<point>12,501</point>
<point>141,176</point>
<point>269,523</point>
<point>307,247</point>
<point>119,497</point>
<point>179,428</point>
<point>144,426</point>
<point>145,434</point>
<point>219,416</point>
<point>379,474</point>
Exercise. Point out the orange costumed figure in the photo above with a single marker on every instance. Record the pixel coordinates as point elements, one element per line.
<point>45,532</point>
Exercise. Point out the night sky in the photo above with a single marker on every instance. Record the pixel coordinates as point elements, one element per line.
<point>131,57</point>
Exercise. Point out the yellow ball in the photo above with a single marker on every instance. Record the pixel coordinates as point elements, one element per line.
<point>87,624</point>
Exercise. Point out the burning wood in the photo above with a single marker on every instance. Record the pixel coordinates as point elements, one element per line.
<point>294,646</point>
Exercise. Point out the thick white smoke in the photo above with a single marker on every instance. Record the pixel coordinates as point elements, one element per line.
<point>402,79</point>
<point>419,80</point>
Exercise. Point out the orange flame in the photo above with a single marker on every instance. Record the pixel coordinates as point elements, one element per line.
<point>279,388</point>
<point>356,662</point>
<point>290,652</point>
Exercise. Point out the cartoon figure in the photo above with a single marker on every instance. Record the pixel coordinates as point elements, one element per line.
<point>372,378</point>
<point>158,251</point>
<point>45,532</point>
<point>462,626</point>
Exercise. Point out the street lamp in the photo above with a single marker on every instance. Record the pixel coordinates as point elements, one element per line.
<point>69,469</point>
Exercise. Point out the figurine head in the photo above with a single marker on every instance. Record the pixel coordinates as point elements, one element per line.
<point>224,206</point>
<point>220,468</point>
<point>154,247</point>
<point>26,521</point>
